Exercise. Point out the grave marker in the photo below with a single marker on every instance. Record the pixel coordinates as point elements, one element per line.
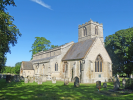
<point>25,80</point>
<point>40,80</point>
<point>66,81</point>
<point>76,82</point>
<point>53,79</point>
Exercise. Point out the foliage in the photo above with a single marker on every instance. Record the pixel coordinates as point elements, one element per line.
<point>17,67</point>
<point>53,46</point>
<point>41,44</point>
<point>12,70</point>
<point>8,31</point>
<point>58,91</point>
<point>119,47</point>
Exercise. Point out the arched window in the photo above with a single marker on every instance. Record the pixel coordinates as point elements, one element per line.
<point>56,66</point>
<point>96,30</point>
<point>98,64</point>
<point>85,31</point>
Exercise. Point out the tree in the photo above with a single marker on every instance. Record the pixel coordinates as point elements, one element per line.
<point>8,31</point>
<point>41,44</point>
<point>17,67</point>
<point>53,46</point>
<point>119,47</point>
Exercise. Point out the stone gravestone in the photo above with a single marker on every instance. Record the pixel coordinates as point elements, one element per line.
<point>12,78</point>
<point>31,80</point>
<point>44,78</point>
<point>25,80</point>
<point>98,84</point>
<point>21,78</point>
<point>105,84</point>
<point>39,80</point>
<point>53,79</point>
<point>8,78</point>
<point>116,83</point>
<point>123,82</point>
<point>109,80</point>
<point>17,78</point>
<point>76,82</point>
<point>131,76</point>
<point>4,76</point>
<point>66,81</point>
<point>36,78</point>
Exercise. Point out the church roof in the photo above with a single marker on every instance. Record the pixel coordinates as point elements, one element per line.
<point>44,59</point>
<point>78,50</point>
<point>27,65</point>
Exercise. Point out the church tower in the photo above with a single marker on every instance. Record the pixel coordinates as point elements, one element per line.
<point>90,30</point>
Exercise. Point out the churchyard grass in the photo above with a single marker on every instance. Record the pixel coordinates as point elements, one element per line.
<point>49,91</point>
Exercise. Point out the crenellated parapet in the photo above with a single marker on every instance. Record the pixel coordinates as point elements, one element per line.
<point>90,22</point>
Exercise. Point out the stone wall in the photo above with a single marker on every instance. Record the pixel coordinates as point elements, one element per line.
<point>97,48</point>
<point>28,73</point>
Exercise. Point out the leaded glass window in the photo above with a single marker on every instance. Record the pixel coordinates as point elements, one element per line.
<point>98,64</point>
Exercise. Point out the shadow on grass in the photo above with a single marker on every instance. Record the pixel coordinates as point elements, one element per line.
<point>49,91</point>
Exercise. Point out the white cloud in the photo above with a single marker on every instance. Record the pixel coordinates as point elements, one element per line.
<point>42,3</point>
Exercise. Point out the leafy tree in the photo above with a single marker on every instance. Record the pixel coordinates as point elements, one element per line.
<point>8,31</point>
<point>41,44</point>
<point>53,46</point>
<point>119,47</point>
<point>17,67</point>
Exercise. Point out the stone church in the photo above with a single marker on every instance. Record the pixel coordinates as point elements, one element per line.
<point>87,59</point>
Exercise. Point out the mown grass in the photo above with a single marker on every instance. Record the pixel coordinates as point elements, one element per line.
<point>49,91</point>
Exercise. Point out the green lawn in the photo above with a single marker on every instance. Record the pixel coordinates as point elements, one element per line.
<point>49,91</point>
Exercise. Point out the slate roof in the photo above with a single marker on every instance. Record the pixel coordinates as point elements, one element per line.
<point>27,65</point>
<point>78,50</point>
<point>44,59</point>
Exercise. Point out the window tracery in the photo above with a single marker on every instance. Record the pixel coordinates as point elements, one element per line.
<point>98,64</point>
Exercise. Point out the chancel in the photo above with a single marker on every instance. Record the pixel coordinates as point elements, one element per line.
<point>87,59</point>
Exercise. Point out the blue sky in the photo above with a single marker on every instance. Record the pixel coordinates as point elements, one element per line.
<point>58,20</point>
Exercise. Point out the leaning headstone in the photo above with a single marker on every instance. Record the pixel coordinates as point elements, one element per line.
<point>123,82</point>
<point>39,80</point>
<point>53,79</point>
<point>8,78</point>
<point>76,82</point>
<point>98,84</point>
<point>25,80</point>
<point>66,81</point>
<point>116,84</point>
<point>31,80</point>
